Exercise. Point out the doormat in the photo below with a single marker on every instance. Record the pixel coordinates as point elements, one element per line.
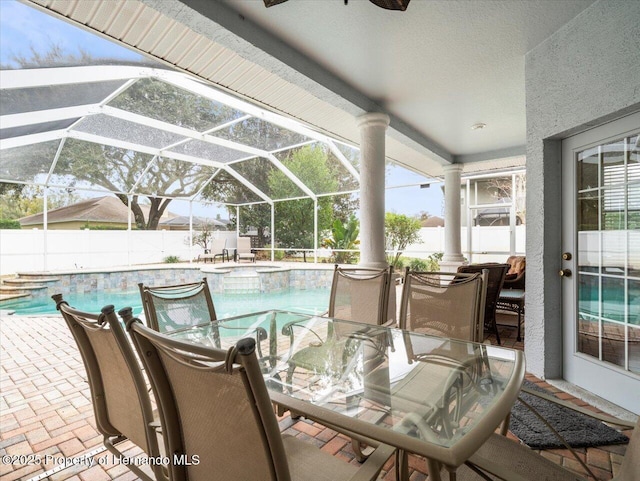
<point>579,430</point>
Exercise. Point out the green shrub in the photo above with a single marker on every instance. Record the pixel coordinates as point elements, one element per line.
<point>433,261</point>
<point>9,224</point>
<point>418,265</point>
<point>399,263</point>
<point>171,259</point>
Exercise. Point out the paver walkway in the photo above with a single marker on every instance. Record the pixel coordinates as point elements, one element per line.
<point>46,412</point>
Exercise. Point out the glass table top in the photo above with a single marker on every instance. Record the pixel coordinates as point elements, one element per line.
<point>422,393</point>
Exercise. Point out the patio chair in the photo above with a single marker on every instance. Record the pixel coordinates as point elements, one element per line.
<point>443,304</point>
<point>494,284</point>
<point>357,294</point>
<point>168,308</point>
<point>235,434</point>
<point>503,459</point>
<point>447,305</point>
<point>218,249</point>
<point>243,250</point>
<point>121,402</point>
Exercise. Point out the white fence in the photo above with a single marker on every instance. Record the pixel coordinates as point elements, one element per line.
<point>488,243</point>
<point>24,250</point>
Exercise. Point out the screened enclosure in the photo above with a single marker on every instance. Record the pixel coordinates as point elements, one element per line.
<point>160,140</point>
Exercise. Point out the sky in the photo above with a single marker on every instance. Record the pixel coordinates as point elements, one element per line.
<point>23,28</point>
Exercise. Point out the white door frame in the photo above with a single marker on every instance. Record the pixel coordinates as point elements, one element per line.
<point>603,379</point>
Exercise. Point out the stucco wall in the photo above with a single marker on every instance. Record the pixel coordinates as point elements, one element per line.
<point>584,75</point>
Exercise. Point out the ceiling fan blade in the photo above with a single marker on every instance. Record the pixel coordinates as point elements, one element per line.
<point>271,3</point>
<point>391,4</point>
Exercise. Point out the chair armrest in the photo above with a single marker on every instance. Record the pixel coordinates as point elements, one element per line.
<point>371,468</point>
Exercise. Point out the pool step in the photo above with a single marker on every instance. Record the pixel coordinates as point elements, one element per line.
<point>11,296</point>
<point>21,281</point>
<point>33,284</point>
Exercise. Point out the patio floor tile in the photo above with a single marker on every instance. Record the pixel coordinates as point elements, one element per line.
<point>46,408</point>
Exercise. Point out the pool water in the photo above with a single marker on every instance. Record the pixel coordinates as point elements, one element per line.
<point>310,301</point>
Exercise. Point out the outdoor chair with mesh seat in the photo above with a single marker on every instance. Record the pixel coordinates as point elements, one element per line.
<point>357,294</point>
<point>119,394</point>
<point>495,281</point>
<point>443,304</point>
<point>168,308</point>
<point>235,434</point>
<point>448,305</point>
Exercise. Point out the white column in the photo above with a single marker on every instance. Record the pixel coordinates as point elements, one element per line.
<point>452,243</point>
<point>372,156</point>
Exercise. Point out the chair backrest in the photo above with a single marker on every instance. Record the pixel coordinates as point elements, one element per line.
<point>234,433</point>
<point>361,294</point>
<point>443,304</point>
<point>167,308</point>
<point>244,245</point>
<point>121,402</point>
<point>495,281</point>
<point>218,245</point>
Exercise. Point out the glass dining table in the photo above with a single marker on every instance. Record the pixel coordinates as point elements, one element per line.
<point>432,396</point>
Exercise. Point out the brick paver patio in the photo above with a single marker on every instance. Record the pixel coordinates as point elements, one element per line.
<point>46,413</point>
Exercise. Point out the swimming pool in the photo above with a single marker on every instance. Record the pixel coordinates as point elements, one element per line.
<point>311,301</point>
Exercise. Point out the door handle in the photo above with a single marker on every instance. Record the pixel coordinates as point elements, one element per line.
<point>566,256</point>
<point>565,272</point>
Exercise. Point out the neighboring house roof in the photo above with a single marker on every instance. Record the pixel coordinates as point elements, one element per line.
<point>434,221</point>
<point>99,209</point>
<point>183,221</point>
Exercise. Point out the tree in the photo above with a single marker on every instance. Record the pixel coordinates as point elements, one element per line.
<point>294,219</point>
<point>156,179</point>
<point>202,237</point>
<point>20,200</point>
<point>400,231</point>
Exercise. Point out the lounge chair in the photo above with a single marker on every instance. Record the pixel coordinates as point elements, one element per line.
<point>218,249</point>
<point>243,250</point>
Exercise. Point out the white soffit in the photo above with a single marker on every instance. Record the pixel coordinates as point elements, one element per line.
<point>138,25</point>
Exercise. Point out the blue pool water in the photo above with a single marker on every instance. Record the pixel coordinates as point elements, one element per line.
<point>312,301</point>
